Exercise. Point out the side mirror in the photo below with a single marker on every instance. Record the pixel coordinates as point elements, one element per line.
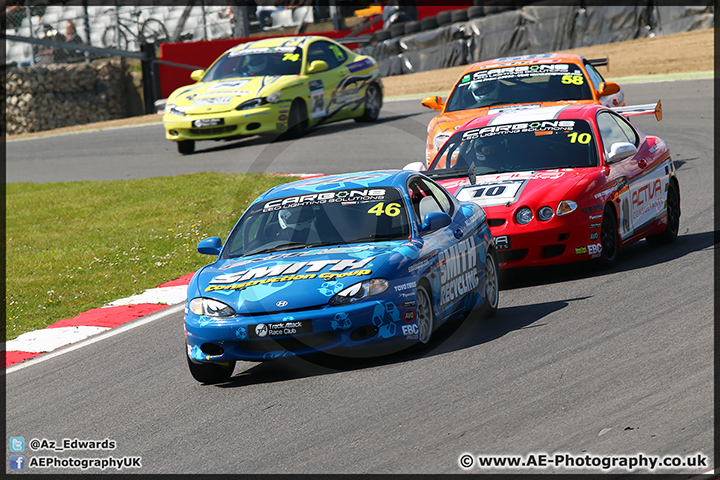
<point>608,88</point>
<point>433,103</point>
<point>620,151</point>
<point>197,74</point>
<point>210,246</point>
<point>317,66</point>
<point>417,166</point>
<point>434,221</point>
<point>471,174</point>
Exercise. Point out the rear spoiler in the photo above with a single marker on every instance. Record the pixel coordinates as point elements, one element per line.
<point>599,62</point>
<point>646,109</point>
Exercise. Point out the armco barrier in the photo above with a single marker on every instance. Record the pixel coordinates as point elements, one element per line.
<point>203,53</point>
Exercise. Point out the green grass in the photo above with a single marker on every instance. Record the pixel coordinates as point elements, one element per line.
<point>74,246</point>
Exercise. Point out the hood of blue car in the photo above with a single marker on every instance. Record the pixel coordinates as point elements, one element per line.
<point>296,279</point>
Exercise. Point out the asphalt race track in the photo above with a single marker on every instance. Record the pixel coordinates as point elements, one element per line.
<point>618,362</point>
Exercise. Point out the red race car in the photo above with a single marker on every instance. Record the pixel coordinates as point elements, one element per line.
<point>525,81</point>
<point>565,183</point>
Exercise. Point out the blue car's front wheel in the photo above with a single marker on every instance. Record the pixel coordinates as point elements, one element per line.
<point>211,372</point>
<point>425,316</point>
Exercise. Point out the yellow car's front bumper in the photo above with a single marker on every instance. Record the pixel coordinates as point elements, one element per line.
<point>268,118</point>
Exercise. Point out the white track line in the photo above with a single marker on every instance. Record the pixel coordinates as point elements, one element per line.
<point>96,338</point>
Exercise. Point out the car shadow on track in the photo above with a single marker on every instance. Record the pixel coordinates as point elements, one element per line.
<point>454,336</point>
<point>414,127</point>
<point>632,257</point>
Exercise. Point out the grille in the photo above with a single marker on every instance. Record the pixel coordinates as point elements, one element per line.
<point>550,251</point>
<point>496,222</point>
<point>288,343</point>
<point>512,255</point>
<point>212,130</point>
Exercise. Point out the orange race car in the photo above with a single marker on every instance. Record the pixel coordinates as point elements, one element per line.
<point>526,81</point>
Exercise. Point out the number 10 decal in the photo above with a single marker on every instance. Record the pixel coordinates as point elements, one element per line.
<point>496,193</point>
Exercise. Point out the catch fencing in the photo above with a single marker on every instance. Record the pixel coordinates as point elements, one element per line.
<point>105,29</point>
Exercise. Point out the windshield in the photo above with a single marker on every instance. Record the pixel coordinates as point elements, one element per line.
<point>252,62</point>
<point>522,146</point>
<point>521,84</point>
<point>318,219</point>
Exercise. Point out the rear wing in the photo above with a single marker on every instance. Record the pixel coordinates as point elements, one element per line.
<point>646,109</point>
<point>598,62</point>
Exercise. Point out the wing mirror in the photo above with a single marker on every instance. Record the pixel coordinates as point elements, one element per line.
<point>434,221</point>
<point>471,174</point>
<point>417,166</point>
<point>197,74</point>
<point>608,88</point>
<point>317,66</point>
<point>433,103</point>
<point>620,151</point>
<point>210,246</point>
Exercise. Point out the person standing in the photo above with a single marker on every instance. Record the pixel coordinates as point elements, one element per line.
<point>72,37</point>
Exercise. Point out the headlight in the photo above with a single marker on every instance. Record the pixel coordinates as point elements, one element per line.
<point>174,110</point>
<point>273,97</point>
<point>545,213</point>
<point>211,308</point>
<point>255,102</point>
<point>523,216</point>
<point>440,139</point>
<point>360,290</point>
<point>565,207</point>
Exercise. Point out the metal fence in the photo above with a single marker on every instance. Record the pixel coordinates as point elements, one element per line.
<point>123,28</point>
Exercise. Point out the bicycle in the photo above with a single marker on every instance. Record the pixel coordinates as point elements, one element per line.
<point>150,30</point>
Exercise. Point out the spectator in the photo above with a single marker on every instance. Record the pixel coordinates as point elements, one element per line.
<point>71,36</point>
<point>45,54</point>
<point>14,15</point>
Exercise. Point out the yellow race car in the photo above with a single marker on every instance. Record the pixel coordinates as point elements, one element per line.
<point>274,86</point>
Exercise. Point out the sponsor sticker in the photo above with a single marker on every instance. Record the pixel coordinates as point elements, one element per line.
<point>202,101</point>
<point>276,329</point>
<point>502,242</point>
<point>360,65</point>
<point>208,122</point>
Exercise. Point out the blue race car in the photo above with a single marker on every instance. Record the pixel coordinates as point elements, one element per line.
<point>338,263</point>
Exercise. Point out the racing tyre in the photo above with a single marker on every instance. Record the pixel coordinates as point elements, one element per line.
<point>476,11</point>
<point>373,104</point>
<point>411,27</point>
<point>458,16</point>
<point>425,317</point>
<point>186,147</point>
<point>397,29</point>
<point>209,373</point>
<point>673,220</point>
<point>297,120</point>
<point>381,35</point>
<point>608,239</point>
<point>428,23</point>
<point>492,285</point>
<point>443,18</point>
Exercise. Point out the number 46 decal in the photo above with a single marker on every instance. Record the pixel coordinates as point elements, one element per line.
<point>392,209</point>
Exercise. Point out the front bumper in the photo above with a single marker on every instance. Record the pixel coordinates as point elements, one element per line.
<point>268,118</point>
<point>553,242</point>
<point>348,327</point>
